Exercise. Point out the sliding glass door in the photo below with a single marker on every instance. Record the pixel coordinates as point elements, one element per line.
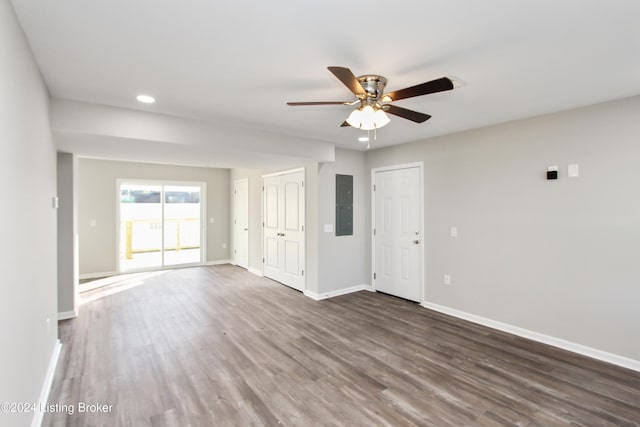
<point>182,225</point>
<point>160,225</point>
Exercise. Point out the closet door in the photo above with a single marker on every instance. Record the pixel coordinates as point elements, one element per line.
<point>272,195</point>
<point>292,236</point>
<point>284,243</point>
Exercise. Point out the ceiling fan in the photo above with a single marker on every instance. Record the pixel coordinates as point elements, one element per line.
<point>372,103</point>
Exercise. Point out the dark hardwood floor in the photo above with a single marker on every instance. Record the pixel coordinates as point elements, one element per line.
<point>218,346</point>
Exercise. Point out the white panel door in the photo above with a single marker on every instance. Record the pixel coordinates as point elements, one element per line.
<point>284,243</point>
<point>241,223</point>
<point>272,224</point>
<point>398,261</point>
<point>292,237</point>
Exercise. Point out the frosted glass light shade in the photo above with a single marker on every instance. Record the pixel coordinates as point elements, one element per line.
<point>354,118</point>
<point>381,118</point>
<point>368,122</point>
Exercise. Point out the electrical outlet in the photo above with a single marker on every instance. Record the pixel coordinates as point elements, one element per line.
<point>447,279</point>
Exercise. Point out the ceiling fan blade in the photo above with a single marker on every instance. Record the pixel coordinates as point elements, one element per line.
<point>345,124</point>
<point>346,76</point>
<point>438,85</point>
<point>297,104</point>
<point>414,116</point>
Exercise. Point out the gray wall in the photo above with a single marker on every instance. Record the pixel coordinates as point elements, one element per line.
<point>97,201</point>
<point>343,259</point>
<point>554,257</point>
<point>28,249</point>
<point>67,234</point>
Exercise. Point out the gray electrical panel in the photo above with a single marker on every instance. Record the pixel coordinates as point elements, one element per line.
<point>344,205</point>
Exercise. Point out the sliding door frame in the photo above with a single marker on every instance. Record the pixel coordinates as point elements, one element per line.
<point>164,183</point>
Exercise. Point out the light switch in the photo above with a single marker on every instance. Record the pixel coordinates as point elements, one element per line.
<point>328,228</point>
<point>573,171</point>
<point>454,231</point>
<point>93,223</point>
<point>211,220</point>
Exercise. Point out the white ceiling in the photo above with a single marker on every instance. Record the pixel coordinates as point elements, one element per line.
<point>241,61</point>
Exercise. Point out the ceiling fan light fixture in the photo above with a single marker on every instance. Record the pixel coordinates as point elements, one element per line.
<point>368,118</point>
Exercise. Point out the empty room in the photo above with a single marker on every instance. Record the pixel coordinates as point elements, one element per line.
<point>320,214</point>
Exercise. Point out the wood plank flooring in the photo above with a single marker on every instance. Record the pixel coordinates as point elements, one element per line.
<point>218,346</point>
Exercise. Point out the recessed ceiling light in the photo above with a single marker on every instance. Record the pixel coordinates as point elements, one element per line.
<point>363,139</point>
<point>146,99</point>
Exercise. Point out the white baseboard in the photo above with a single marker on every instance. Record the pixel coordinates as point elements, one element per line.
<point>255,271</point>
<point>219,262</point>
<point>338,292</point>
<point>97,275</point>
<point>591,352</point>
<point>67,315</point>
<point>46,385</point>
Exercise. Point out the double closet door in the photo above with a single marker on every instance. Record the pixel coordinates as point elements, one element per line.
<point>284,242</point>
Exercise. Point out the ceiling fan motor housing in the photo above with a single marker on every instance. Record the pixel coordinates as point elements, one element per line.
<point>374,86</point>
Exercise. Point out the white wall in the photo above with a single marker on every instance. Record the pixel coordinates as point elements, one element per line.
<point>28,249</point>
<point>97,201</point>
<point>99,131</point>
<point>343,260</point>
<point>555,257</point>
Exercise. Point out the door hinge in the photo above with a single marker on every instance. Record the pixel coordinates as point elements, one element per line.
<point>303,272</point>
<point>262,223</point>
<point>374,231</point>
<point>263,260</point>
<point>374,187</point>
<point>235,251</point>
<point>303,228</point>
<point>263,188</point>
<point>302,184</point>
<point>235,191</point>
<point>374,276</point>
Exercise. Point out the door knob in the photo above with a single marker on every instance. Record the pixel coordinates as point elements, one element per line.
<point>246,229</point>
<point>416,242</point>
